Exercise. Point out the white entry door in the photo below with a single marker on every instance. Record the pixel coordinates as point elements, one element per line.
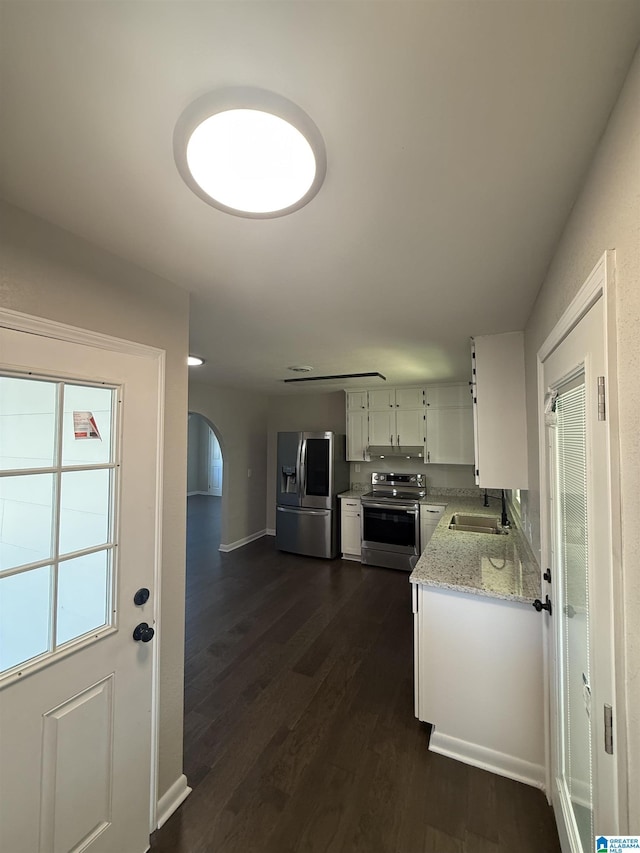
<point>580,559</point>
<point>79,451</point>
<point>215,465</point>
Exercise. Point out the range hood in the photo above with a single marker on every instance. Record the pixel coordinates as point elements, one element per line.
<point>386,450</point>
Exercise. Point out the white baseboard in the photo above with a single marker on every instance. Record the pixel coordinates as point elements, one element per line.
<point>240,542</point>
<point>270,531</point>
<point>190,494</point>
<point>488,759</point>
<point>172,799</point>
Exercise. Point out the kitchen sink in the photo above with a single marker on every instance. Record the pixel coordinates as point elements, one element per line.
<point>475,523</point>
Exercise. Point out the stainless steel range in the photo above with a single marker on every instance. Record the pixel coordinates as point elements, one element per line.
<point>390,520</point>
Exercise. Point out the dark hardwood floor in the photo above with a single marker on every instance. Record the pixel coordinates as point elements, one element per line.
<point>300,735</point>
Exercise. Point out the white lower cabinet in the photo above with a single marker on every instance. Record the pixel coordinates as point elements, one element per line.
<point>350,528</point>
<point>479,680</point>
<point>430,515</point>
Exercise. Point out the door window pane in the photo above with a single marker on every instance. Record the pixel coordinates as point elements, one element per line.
<point>83,594</point>
<point>27,423</point>
<point>84,509</point>
<point>24,616</point>
<point>52,512</point>
<point>86,402</point>
<point>26,522</point>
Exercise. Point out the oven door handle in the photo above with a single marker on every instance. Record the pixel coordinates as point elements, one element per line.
<point>410,510</point>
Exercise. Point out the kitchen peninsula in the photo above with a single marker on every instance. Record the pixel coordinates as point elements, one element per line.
<point>478,642</point>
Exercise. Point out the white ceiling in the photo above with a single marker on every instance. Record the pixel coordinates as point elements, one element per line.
<point>457,136</point>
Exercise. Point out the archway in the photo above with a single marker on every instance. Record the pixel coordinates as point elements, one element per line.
<point>205,474</point>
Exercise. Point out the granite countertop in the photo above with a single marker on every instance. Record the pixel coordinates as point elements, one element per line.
<point>496,566</point>
<point>351,493</point>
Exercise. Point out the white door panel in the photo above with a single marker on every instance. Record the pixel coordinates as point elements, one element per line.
<point>580,553</point>
<point>410,427</point>
<point>76,697</point>
<point>215,465</point>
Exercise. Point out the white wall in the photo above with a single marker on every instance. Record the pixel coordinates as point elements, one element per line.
<point>606,216</point>
<point>50,273</point>
<point>240,418</point>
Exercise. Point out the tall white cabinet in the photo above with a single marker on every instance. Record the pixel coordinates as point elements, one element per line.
<point>499,411</point>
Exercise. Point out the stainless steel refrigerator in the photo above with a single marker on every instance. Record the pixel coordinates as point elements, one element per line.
<point>312,470</point>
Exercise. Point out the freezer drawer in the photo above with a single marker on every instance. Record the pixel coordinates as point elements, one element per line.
<point>312,532</point>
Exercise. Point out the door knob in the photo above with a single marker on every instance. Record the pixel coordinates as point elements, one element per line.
<point>143,632</point>
<point>141,597</point>
<point>540,606</point>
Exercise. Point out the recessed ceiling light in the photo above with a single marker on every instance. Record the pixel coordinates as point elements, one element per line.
<point>301,368</point>
<point>194,361</point>
<point>250,152</point>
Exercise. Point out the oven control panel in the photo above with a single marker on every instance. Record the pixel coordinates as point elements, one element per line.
<point>390,479</point>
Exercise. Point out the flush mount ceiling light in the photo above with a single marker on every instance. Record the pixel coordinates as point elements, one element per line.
<point>250,152</point>
<point>194,361</point>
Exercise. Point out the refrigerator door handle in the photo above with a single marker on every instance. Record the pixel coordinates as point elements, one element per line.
<point>303,468</point>
<point>303,511</point>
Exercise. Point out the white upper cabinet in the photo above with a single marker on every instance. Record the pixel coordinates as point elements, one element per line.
<point>455,395</point>
<point>396,418</point>
<point>410,427</point>
<point>357,400</point>
<point>449,424</point>
<point>357,435</point>
<point>397,428</point>
<point>396,398</point>
<point>450,436</point>
<point>409,398</point>
<point>382,398</point>
<point>436,418</point>
<point>500,411</point>
<point>382,427</point>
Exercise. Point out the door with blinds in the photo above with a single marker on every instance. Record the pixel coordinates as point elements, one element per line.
<point>580,624</point>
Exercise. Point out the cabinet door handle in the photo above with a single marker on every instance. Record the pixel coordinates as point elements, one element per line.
<point>391,437</point>
<point>398,437</point>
